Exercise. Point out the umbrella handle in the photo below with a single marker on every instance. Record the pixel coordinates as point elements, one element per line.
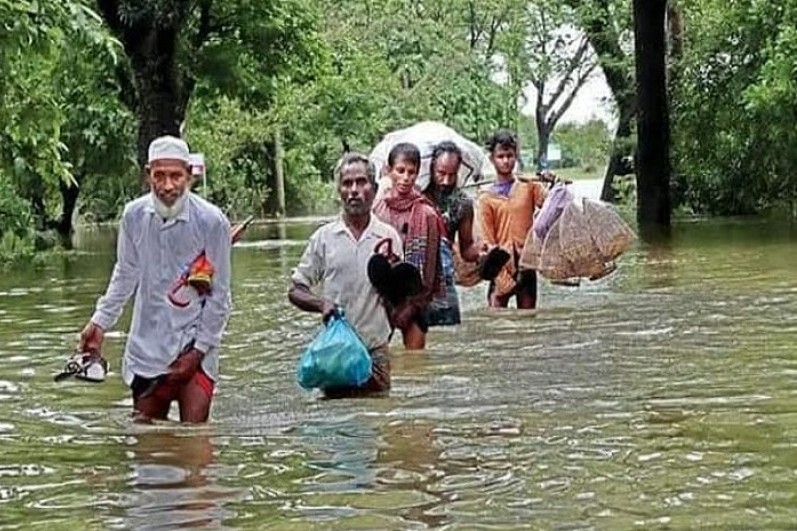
<point>172,296</point>
<point>239,229</point>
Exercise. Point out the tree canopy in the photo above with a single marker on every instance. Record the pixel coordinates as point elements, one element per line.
<point>88,84</point>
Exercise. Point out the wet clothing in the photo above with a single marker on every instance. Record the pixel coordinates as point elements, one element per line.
<point>453,206</point>
<point>506,214</point>
<point>423,237</point>
<point>151,256</point>
<point>378,383</point>
<point>443,310</point>
<point>339,262</point>
<point>168,391</point>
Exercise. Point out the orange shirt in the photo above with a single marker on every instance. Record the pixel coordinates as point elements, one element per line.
<point>505,221</point>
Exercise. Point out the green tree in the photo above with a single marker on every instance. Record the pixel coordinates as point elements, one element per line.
<point>587,144</point>
<point>733,106</point>
<point>608,24</point>
<point>231,47</point>
<point>543,46</point>
<point>34,160</point>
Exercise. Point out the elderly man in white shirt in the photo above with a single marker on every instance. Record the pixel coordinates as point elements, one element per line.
<point>172,351</point>
<point>337,257</point>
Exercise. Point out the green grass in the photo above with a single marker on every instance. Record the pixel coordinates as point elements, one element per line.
<point>578,173</point>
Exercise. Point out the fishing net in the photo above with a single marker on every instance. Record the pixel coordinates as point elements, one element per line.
<point>531,255</point>
<point>553,264</point>
<point>611,234</point>
<point>578,248</point>
<point>583,242</point>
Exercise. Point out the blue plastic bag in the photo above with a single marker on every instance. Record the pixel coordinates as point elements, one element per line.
<point>337,357</point>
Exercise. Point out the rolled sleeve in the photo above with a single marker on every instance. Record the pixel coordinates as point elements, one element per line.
<point>311,265</point>
<point>218,303</point>
<point>124,278</point>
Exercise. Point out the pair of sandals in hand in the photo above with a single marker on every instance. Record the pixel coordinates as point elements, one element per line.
<point>87,366</point>
<point>396,280</point>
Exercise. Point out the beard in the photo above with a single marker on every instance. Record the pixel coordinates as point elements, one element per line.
<point>169,212</point>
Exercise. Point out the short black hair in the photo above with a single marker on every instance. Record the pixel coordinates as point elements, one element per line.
<point>407,151</point>
<point>503,138</point>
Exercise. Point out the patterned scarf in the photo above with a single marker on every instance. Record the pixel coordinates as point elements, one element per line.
<point>421,229</point>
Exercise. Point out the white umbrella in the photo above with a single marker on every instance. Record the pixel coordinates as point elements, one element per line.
<point>426,135</point>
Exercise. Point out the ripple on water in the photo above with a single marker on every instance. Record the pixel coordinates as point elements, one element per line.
<point>660,397</point>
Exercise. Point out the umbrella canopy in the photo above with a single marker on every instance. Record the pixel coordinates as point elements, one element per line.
<point>426,135</point>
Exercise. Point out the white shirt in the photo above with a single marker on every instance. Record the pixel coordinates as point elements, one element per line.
<point>150,256</point>
<point>337,260</point>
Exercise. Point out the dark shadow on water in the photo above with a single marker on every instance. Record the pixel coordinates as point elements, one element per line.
<point>655,234</point>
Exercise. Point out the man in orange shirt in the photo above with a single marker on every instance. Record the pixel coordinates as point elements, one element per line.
<point>506,213</point>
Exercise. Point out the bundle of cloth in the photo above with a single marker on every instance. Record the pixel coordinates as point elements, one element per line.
<point>572,240</point>
<point>426,135</point>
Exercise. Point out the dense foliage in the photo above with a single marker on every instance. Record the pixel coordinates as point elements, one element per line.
<point>734,106</point>
<point>312,78</point>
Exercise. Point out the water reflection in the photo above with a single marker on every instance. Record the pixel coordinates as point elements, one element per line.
<point>410,467</point>
<point>171,480</point>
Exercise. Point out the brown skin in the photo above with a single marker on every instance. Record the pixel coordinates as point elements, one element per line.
<point>524,301</point>
<point>357,196</point>
<point>504,160</point>
<point>168,179</point>
<point>404,173</point>
<point>446,169</point>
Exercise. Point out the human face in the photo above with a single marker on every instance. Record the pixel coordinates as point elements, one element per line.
<point>504,160</point>
<point>356,190</point>
<point>169,179</point>
<point>403,173</point>
<point>446,168</point>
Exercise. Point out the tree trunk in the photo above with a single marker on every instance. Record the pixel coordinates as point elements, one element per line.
<point>605,41</point>
<point>543,135</point>
<point>162,86</point>
<point>162,99</point>
<point>279,173</point>
<point>620,150</point>
<point>653,127</point>
<point>69,196</point>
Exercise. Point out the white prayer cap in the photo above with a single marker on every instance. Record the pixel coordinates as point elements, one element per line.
<point>168,147</point>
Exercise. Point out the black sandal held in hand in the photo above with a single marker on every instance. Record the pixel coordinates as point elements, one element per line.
<point>495,260</point>
<point>392,278</point>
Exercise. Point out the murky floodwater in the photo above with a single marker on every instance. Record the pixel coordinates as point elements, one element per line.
<point>662,397</point>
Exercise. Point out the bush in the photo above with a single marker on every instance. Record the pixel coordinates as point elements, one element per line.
<point>16,224</point>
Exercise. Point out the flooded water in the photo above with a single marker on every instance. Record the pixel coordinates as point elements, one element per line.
<point>663,397</point>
